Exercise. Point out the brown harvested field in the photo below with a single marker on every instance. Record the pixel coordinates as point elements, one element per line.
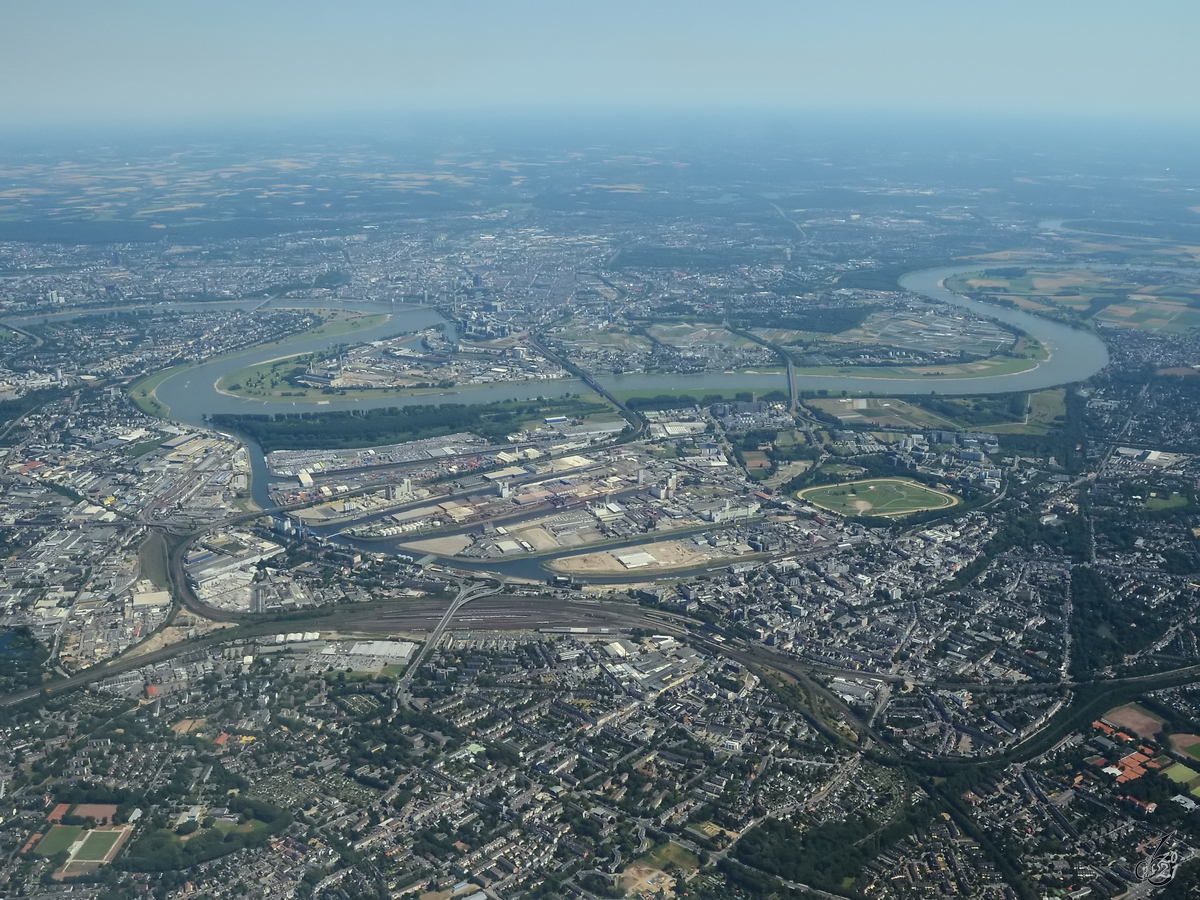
<point>1024,302</point>
<point>1134,718</point>
<point>1056,282</point>
<point>101,812</point>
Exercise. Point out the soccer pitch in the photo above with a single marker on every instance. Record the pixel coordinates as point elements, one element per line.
<point>97,845</point>
<point>877,497</point>
<point>59,838</point>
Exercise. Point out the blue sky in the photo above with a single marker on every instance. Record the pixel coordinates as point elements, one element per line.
<point>76,62</point>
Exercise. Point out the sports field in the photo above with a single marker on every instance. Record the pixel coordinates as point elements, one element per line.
<point>1137,719</point>
<point>98,845</point>
<point>877,497</point>
<point>59,838</point>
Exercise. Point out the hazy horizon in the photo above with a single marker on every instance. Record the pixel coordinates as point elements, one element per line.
<point>136,63</point>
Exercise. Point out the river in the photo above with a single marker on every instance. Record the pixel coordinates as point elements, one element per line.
<point>191,394</point>
<point>1074,356</point>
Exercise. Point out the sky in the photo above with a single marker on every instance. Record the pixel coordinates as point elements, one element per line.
<point>82,62</point>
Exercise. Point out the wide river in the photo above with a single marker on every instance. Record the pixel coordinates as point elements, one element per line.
<point>191,393</point>
<point>1074,356</point>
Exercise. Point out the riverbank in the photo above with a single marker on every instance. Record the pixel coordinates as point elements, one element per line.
<point>1070,356</point>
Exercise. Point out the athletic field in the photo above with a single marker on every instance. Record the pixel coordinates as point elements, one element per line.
<point>58,838</point>
<point>877,497</point>
<point>98,845</point>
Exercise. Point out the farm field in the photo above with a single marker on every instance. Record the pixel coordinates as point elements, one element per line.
<point>1150,313</point>
<point>1108,299</point>
<point>877,497</point>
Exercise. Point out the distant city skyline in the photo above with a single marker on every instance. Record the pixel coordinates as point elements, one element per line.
<point>76,63</point>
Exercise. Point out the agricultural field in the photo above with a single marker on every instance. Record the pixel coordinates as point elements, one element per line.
<point>877,497</point>
<point>1110,299</point>
<point>1150,313</point>
<point>1087,238</point>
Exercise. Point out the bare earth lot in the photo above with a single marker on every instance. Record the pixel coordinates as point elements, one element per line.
<point>1132,717</point>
